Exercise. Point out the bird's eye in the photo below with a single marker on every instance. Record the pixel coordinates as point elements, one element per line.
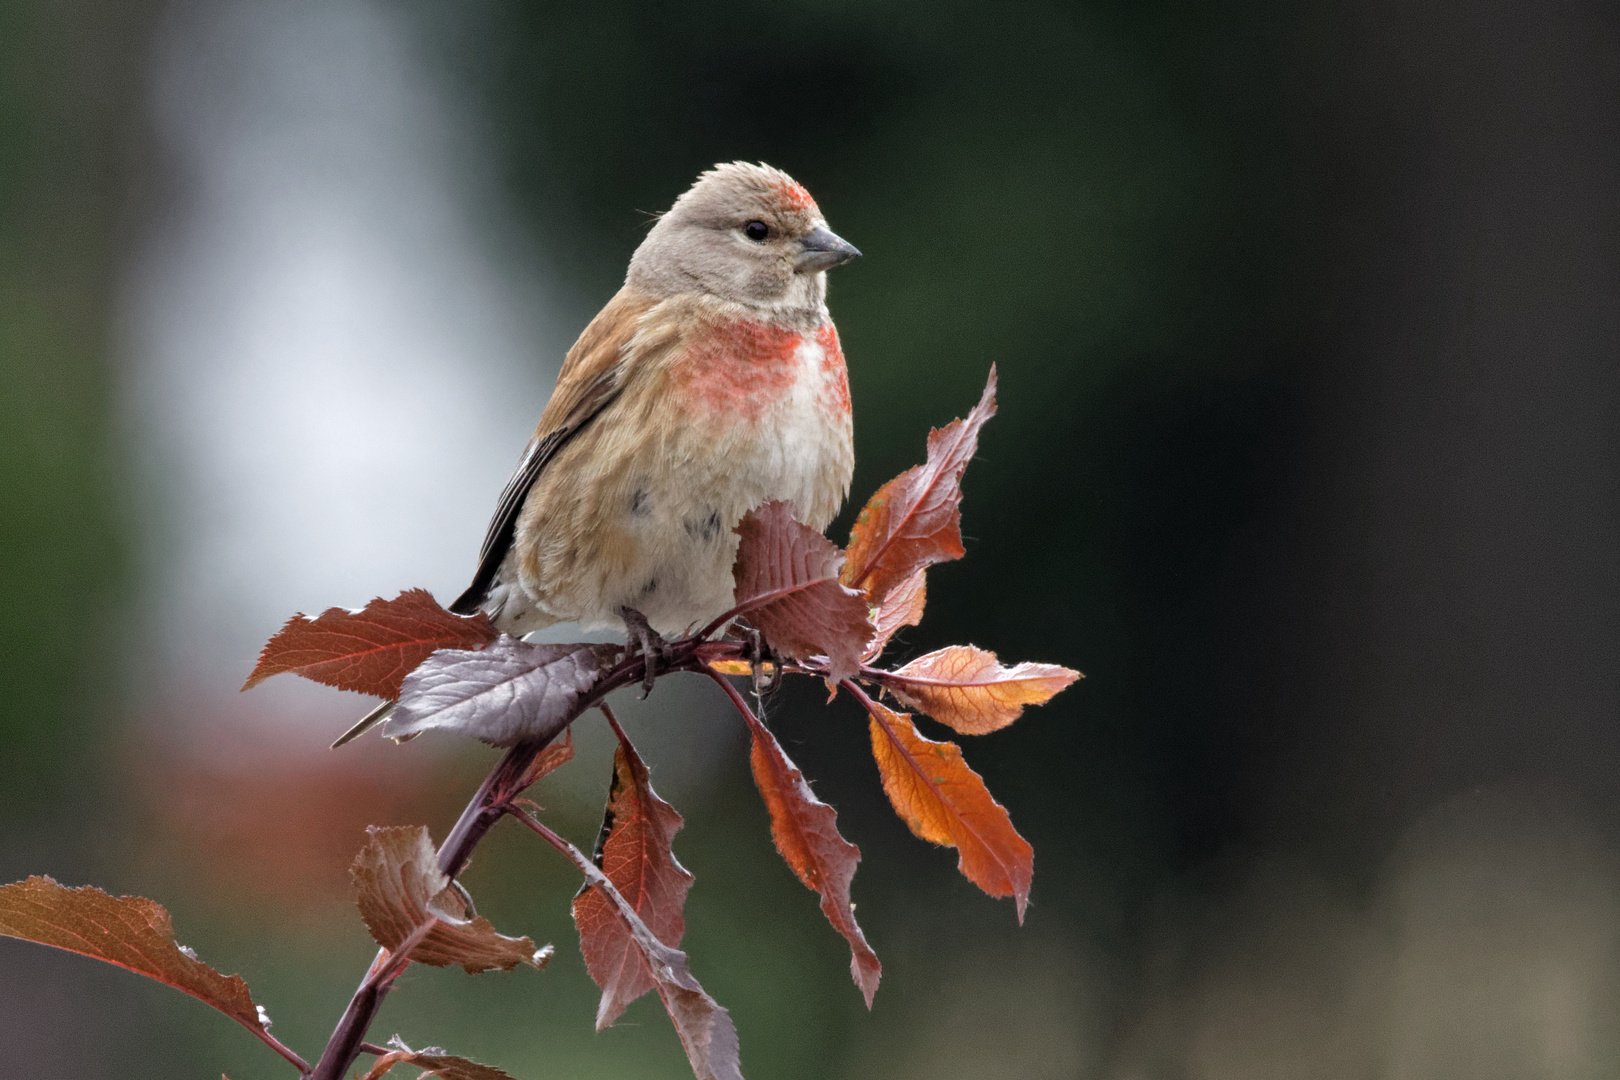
<point>756,231</point>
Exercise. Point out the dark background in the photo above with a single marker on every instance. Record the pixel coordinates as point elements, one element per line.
<point>1306,319</point>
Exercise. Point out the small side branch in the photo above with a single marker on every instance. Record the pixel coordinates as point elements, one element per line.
<point>489,804</point>
<point>285,1051</point>
<point>486,808</point>
<point>736,698</point>
<point>655,950</point>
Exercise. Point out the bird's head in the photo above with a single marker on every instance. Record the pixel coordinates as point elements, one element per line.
<point>745,233</point>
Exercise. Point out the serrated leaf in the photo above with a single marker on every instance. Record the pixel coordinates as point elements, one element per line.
<point>637,855</point>
<point>806,833</point>
<point>433,1063</point>
<point>400,887</point>
<point>370,650</point>
<point>969,690</point>
<point>787,584</point>
<point>130,931</point>
<point>502,694</point>
<point>902,607</point>
<point>914,520</point>
<point>707,1033</point>
<point>556,754</point>
<point>945,802</point>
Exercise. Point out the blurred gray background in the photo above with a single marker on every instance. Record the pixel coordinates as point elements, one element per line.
<point>1306,316</point>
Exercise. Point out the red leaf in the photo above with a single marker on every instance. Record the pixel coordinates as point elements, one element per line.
<point>434,1063</point>
<point>945,802</point>
<point>706,1031</point>
<point>502,694</point>
<point>806,833</point>
<point>968,689</point>
<point>557,753</point>
<point>637,857</point>
<point>370,650</point>
<point>787,585</point>
<point>401,887</point>
<point>901,607</point>
<point>131,931</point>
<point>915,520</point>
<point>707,1034</point>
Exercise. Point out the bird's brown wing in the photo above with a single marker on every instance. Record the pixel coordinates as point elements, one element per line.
<point>590,379</point>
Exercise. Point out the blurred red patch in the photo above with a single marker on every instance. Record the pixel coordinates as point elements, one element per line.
<point>256,815</point>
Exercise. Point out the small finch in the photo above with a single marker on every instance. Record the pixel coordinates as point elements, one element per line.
<point>712,382</point>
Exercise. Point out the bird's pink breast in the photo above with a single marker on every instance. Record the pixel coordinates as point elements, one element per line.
<point>740,368</point>
<point>832,366</point>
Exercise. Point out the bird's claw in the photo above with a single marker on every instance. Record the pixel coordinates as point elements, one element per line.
<point>765,666</point>
<point>655,651</point>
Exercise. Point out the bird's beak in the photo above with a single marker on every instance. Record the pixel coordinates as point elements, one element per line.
<point>823,249</point>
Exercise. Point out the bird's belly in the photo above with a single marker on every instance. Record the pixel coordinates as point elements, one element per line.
<point>659,532</point>
<point>798,447</point>
<point>798,450</point>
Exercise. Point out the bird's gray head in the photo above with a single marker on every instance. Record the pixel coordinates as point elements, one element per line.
<point>745,233</point>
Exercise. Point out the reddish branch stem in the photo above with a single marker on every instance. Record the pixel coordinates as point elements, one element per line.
<point>655,950</point>
<point>572,853</point>
<point>613,722</point>
<point>482,812</point>
<point>875,711</point>
<point>872,709</point>
<point>485,808</point>
<point>736,699</point>
<point>489,804</point>
<point>276,1044</point>
<point>860,695</point>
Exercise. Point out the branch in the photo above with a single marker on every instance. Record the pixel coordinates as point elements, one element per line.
<point>492,801</point>
<point>486,807</point>
<point>276,1044</point>
<point>705,1029</point>
<point>390,965</point>
<point>736,698</point>
<point>593,875</point>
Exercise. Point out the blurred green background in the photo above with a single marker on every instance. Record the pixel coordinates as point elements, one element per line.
<point>1305,316</point>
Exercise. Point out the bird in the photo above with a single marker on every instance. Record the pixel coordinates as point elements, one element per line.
<point>711,383</point>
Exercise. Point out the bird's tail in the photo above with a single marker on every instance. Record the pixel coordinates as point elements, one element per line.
<point>367,722</point>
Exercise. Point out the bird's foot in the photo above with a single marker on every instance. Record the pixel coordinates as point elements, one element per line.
<point>765,666</point>
<point>655,651</point>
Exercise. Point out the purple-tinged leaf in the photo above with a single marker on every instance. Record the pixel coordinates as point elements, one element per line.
<point>502,694</point>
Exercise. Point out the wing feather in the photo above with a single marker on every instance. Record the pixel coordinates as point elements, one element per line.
<point>590,379</point>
